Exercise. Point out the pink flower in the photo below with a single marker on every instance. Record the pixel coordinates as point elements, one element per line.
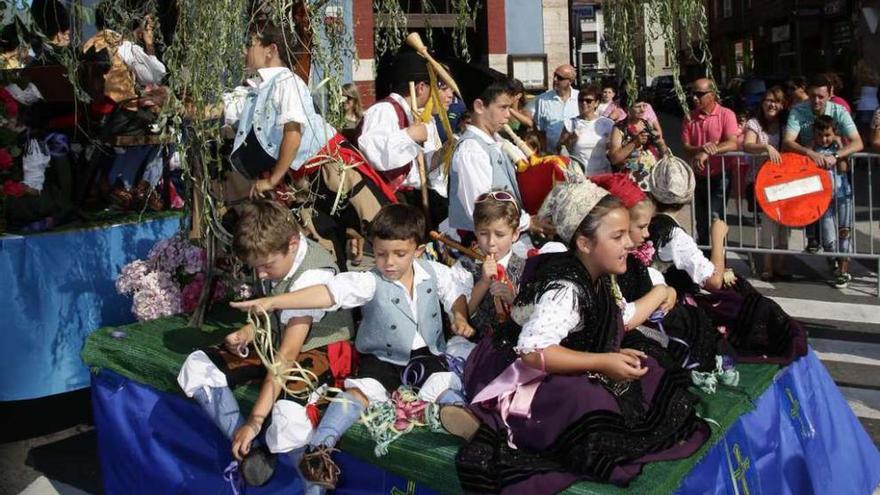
<point>5,159</point>
<point>645,253</point>
<point>189,296</point>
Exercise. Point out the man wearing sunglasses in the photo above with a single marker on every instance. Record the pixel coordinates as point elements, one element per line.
<point>554,107</point>
<point>708,131</point>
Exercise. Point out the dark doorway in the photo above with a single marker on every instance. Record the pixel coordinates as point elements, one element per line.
<point>439,19</point>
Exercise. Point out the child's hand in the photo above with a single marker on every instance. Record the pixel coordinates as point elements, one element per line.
<point>263,303</point>
<point>830,161</point>
<point>490,268</point>
<point>669,302</point>
<point>242,439</point>
<point>460,326</point>
<point>719,229</point>
<point>774,155</point>
<point>261,186</point>
<point>623,365</point>
<point>502,290</point>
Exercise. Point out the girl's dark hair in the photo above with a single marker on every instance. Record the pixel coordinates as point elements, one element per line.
<point>267,33</point>
<point>590,224</point>
<point>667,207</point>
<point>398,222</point>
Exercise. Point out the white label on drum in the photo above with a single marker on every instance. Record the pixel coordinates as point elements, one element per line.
<point>793,189</point>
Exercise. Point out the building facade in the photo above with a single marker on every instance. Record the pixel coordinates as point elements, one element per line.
<point>781,38</point>
<point>526,39</point>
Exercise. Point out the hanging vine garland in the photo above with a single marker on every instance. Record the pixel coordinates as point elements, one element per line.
<point>673,21</point>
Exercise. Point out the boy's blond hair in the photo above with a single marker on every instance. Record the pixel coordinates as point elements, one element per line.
<point>264,228</point>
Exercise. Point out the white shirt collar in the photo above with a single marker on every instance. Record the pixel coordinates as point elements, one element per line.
<point>482,134</point>
<point>419,276</point>
<point>405,104</point>
<point>266,74</point>
<point>505,259</point>
<point>299,257</point>
<point>572,95</point>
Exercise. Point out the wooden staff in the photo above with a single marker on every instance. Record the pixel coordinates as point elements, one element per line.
<point>415,41</point>
<point>522,145</point>
<point>420,158</point>
<point>470,253</point>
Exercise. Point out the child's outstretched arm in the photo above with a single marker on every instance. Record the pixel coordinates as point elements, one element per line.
<point>623,365</point>
<point>646,305</point>
<point>718,234</point>
<point>312,297</point>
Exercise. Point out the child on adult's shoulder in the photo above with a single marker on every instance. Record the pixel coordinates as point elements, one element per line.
<point>267,238</point>
<point>400,301</point>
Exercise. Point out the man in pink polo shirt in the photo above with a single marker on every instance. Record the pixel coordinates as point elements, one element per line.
<point>707,132</point>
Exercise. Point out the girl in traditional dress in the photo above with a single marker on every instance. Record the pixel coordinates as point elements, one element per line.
<point>555,397</point>
<point>754,327</point>
<point>685,332</point>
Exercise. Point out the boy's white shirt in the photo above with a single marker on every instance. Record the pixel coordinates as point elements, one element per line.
<point>475,173</point>
<point>354,289</point>
<point>306,279</point>
<point>286,96</point>
<point>388,147</point>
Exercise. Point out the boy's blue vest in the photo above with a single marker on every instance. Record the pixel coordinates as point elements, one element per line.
<point>388,325</point>
<point>259,114</point>
<point>503,177</point>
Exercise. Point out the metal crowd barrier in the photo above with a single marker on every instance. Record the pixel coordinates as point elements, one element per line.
<point>751,234</point>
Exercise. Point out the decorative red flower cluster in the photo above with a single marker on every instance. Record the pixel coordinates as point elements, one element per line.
<point>13,188</point>
<point>10,106</point>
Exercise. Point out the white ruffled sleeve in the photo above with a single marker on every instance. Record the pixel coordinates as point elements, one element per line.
<point>555,315</point>
<point>683,252</point>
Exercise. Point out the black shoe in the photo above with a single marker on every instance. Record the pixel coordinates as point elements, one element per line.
<point>812,246</point>
<point>258,466</point>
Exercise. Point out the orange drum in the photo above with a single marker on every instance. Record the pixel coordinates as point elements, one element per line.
<point>794,193</point>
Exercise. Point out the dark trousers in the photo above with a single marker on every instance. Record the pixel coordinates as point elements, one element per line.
<point>710,196</point>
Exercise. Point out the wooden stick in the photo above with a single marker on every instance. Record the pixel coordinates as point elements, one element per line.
<point>420,158</point>
<point>415,41</point>
<point>470,253</point>
<point>522,145</point>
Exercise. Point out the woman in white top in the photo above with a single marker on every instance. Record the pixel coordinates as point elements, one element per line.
<point>763,135</point>
<point>586,136</point>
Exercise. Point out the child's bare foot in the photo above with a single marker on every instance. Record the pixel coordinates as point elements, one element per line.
<point>459,422</point>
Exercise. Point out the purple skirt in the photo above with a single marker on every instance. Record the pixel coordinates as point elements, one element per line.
<point>576,430</point>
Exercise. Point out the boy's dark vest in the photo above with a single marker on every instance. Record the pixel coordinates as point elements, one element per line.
<point>335,326</point>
